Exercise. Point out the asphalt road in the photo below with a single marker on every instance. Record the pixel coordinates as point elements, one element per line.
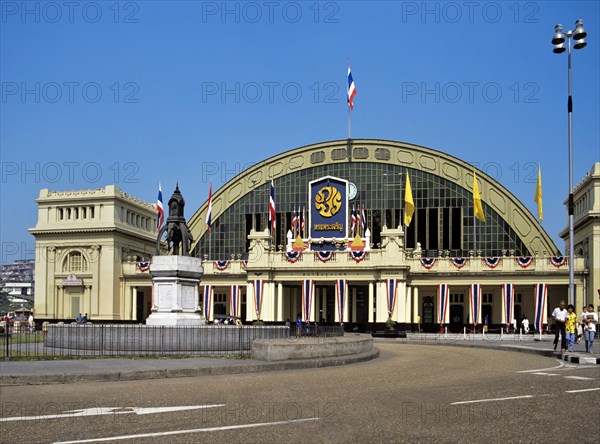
<point>412,393</point>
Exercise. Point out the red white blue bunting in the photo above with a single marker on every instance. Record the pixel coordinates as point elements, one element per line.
<point>391,287</point>
<point>259,287</point>
<point>244,264</point>
<point>307,297</point>
<point>341,291</point>
<point>234,301</point>
<point>207,301</point>
<point>143,266</point>
<point>324,256</point>
<point>459,262</point>
<point>443,294</point>
<point>558,261</point>
<point>428,262</point>
<point>358,255</point>
<point>508,302</point>
<point>492,262</point>
<point>540,306</point>
<point>221,265</point>
<point>524,261</point>
<point>475,306</point>
<point>292,256</point>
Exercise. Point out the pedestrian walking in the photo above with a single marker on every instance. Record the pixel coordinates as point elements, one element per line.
<point>560,317</point>
<point>571,326</point>
<point>589,330</point>
<point>525,324</point>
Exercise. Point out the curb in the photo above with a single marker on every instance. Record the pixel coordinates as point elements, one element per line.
<point>69,378</point>
<point>513,348</point>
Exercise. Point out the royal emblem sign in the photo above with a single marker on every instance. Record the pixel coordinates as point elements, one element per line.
<point>328,212</point>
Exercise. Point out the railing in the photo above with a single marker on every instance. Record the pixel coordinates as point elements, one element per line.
<point>317,331</point>
<point>103,340</point>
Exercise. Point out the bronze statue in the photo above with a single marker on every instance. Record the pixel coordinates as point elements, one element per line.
<point>177,230</point>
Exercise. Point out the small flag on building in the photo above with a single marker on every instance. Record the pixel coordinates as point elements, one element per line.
<point>538,194</point>
<point>272,214</point>
<point>477,207</point>
<point>160,209</point>
<point>209,208</point>
<point>409,204</point>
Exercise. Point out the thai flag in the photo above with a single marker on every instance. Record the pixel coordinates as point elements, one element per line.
<point>363,218</point>
<point>351,89</point>
<point>209,210</point>
<point>160,209</point>
<point>302,220</point>
<point>294,220</point>
<point>353,217</point>
<point>272,223</point>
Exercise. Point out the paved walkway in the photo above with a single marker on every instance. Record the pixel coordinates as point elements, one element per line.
<point>127,369</point>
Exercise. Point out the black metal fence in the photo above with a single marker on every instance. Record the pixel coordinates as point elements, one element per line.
<point>103,340</point>
<point>317,331</point>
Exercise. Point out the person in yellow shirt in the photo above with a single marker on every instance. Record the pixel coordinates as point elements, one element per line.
<point>571,326</point>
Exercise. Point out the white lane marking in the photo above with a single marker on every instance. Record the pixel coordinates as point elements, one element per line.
<point>181,432</point>
<point>545,374</point>
<point>561,364</point>
<point>98,411</point>
<point>583,378</point>
<point>582,390</point>
<point>492,400</point>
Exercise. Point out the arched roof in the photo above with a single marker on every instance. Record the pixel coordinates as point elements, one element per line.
<point>388,152</point>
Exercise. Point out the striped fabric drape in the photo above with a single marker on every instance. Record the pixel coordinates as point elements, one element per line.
<point>391,286</point>
<point>207,302</point>
<point>475,303</point>
<point>259,287</point>
<point>307,297</point>
<point>341,292</point>
<point>508,302</point>
<point>541,304</point>
<point>234,301</point>
<point>443,294</point>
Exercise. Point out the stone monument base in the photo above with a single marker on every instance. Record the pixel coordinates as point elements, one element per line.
<point>175,291</point>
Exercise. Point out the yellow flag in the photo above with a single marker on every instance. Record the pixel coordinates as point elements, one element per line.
<point>538,195</point>
<point>477,207</point>
<point>409,205</point>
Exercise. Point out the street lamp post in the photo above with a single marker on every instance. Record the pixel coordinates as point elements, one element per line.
<point>558,41</point>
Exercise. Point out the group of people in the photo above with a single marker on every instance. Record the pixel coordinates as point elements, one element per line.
<point>571,328</point>
<point>82,319</point>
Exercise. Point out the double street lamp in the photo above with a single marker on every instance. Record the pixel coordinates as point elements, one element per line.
<point>578,35</point>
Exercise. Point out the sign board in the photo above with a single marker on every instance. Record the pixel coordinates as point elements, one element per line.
<point>72,281</point>
<point>328,215</point>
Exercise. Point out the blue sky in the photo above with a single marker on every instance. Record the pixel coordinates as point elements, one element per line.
<point>101,92</point>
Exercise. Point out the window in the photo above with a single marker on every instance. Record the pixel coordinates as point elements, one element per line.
<point>457,298</point>
<point>317,157</point>
<point>487,298</point>
<point>382,154</point>
<point>518,298</point>
<point>360,153</point>
<point>338,154</point>
<point>75,262</point>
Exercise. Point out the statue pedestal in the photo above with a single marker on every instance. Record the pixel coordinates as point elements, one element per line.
<point>175,291</point>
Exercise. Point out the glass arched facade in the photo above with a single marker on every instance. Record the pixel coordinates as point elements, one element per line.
<point>443,218</point>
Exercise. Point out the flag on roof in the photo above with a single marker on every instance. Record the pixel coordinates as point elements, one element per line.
<point>351,89</point>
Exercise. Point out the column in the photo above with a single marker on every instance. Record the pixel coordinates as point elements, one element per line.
<point>273,301</point>
<point>382,314</point>
<point>134,304</point>
<point>250,309</point>
<point>402,305</point>
<point>353,304</point>
<point>294,303</point>
<point>347,307</point>
<point>415,305</point>
<point>324,299</point>
<point>371,305</point>
<point>280,317</point>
